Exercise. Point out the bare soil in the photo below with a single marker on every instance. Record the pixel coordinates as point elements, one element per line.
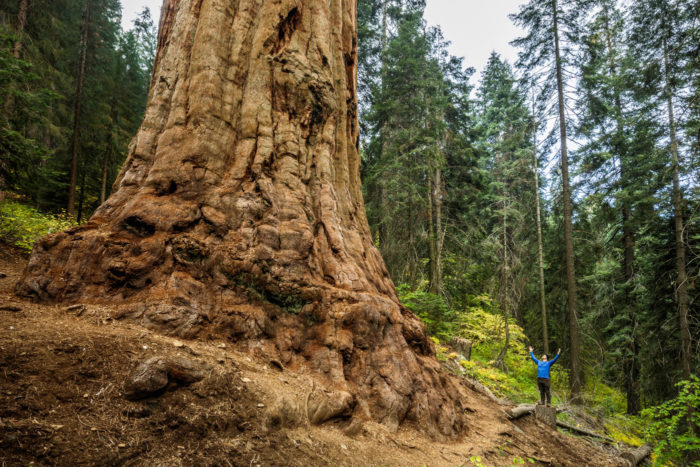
<point>62,372</point>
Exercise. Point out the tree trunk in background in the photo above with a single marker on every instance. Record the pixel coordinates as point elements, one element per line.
<point>105,172</point>
<point>412,258</point>
<point>576,380</point>
<point>437,203</point>
<point>505,278</point>
<point>434,231</point>
<point>108,149</point>
<point>631,364</point>
<point>17,53</point>
<point>75,138</point>
<point>681,274</point>
<point>432,252</point>
<point>543,305</point>
<point>383,198</point>
<point>21,22</point>
<point>239,211</point>
<point>81,198</point>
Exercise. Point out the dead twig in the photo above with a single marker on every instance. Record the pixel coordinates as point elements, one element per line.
<point>584,431</point>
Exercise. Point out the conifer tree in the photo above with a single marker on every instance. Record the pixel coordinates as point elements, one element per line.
<point>606,124</point>
<point>505,128</point>
<point>552,29</point>
<point>658,42</point>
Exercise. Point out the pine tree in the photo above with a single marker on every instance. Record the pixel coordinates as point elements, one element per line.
<point>552,28</point>
<point>505,129</point>
<point>78,103</point>
<point>607,158</point>
<point>26,101</point>
<point>656,29</point>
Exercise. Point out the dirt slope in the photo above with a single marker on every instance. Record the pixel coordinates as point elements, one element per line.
<point>62,403</point>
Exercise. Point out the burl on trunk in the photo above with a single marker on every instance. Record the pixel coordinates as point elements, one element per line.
<point>239,210</point>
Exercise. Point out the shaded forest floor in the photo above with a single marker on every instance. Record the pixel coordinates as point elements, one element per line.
<point>61,379</point>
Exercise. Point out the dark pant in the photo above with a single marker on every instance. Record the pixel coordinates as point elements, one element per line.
<point>543,384</point>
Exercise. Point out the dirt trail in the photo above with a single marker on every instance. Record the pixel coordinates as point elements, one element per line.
<point>61,403</point>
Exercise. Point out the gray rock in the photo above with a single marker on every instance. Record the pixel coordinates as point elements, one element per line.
<point>324,406</point>
<point>158,374</point>
<point>284,413</point>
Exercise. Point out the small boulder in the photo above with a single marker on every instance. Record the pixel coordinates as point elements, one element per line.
<point>325,405</point>
<point>157,374</point>
<point>284,413</point>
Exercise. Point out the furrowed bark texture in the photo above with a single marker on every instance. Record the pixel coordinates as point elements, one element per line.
<point>239,210</point>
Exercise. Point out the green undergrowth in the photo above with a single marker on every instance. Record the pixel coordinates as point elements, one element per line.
<point>624,429</point>
<point>21,225</point>
<point>674,426</point>
<point>482,323</point>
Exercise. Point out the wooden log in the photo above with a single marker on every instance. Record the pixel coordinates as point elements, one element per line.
<point>546,414</point>
<point>520,410</point>
<point>637,455</point>
<point>584,431</point>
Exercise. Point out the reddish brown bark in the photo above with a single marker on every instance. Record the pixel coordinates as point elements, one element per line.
<point>239,210</point>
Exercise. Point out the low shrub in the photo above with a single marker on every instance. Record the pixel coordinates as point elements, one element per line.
<point>674,426</point>
<point>22,225</point>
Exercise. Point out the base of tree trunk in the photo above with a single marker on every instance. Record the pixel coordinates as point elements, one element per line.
<point>362,343</point>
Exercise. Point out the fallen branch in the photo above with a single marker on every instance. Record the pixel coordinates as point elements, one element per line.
<point>637,455</point>
<point>520,410</point>
<point>584,431</point>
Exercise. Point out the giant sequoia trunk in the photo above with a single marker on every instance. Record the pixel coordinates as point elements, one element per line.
<point>239,210</point>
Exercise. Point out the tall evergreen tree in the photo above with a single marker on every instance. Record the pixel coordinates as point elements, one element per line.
<point>656,30</point>
<point>504,124</point>
<point>552,30</point>
<point>609,161</point>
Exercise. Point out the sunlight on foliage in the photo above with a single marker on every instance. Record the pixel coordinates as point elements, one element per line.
<point>22,225</point>
<point>625,429</point>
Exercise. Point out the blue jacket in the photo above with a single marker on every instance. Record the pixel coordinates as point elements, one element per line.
<point>543,367</point>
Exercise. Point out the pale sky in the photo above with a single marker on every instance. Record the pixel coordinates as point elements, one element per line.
<point>474,27</point>
<point>131,9</point>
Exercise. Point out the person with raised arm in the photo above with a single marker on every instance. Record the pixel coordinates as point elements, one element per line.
<point>543,375</point>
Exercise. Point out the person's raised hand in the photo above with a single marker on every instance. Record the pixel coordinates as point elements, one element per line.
<point>531,349</point>
<point>558,351</point>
